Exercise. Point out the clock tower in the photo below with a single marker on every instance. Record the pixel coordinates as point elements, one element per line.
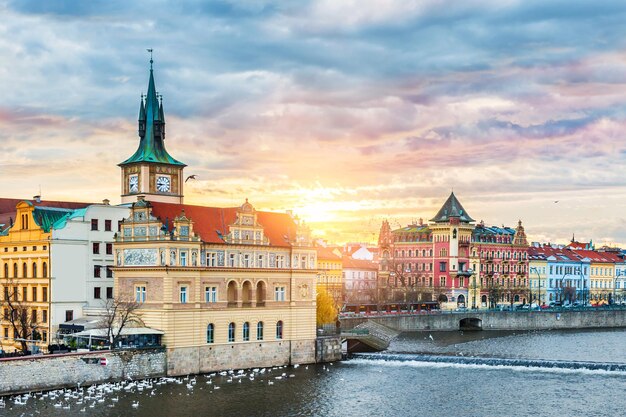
<point>151,171</point>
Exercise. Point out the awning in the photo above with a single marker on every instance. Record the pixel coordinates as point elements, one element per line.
<point>127,331</point>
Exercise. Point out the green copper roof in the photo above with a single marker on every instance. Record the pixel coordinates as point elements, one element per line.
<point>45,217</point>
<point>60,224</point>
<point>151,130</point>
<point>452,208</point>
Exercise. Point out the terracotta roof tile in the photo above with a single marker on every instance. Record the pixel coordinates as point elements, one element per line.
<point>211,223</point>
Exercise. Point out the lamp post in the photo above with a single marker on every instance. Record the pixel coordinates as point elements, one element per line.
<point>536,270</point>
<point>473,275</point>
<point>561,288</point>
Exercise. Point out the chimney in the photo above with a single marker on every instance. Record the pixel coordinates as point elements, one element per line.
<point>106,201</point>
<point>37,198</point>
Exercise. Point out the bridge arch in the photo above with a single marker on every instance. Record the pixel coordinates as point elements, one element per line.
<point>470,323</point>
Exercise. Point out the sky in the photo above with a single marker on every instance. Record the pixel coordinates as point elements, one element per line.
<point>346,112</point>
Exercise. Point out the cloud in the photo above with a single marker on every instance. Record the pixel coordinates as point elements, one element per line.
<point>346,111</point>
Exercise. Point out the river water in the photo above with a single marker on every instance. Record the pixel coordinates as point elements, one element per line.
<point>546,373</point>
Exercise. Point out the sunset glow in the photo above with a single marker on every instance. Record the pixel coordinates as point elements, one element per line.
<point>346,113</point>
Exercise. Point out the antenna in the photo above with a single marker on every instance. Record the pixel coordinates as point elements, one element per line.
<point>151,61</point>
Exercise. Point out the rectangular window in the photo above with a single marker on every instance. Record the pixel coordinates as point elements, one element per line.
<point>210,294</point>
<point>442,281</point>
<point>107,225</point>
<point>183,295</point>
<point>94,224</point>
<point>109,249</point>
<point>246,260</point>
<point>44,336</point>
<point>69,315</point>
<point>109,272</point>
<point>34,293</point>
<point>442,267</point>
<point>231,260</point>
<point>33,315</point>
<point>183,258</point>
<point>279,293</point>
<point>140,294</point>
<point>44,293</point>
<point>24,293</point>
<point>211,259</point>
<point>260,262</point>
<point>95,248</point>
<point>109,293</point>
<point>44,316</point>
<point>96,271</point>
<point>96,293</point>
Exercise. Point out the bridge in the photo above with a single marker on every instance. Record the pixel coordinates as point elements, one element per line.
<point>493,320</point>
<point>369,336</point>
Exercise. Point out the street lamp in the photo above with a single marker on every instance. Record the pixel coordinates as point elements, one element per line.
<point>471,272</point>
<point>536,270</point>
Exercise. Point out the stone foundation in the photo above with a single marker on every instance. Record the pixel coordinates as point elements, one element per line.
<point>210,358</point>
<point>328,349</point>
<point>34,373</point>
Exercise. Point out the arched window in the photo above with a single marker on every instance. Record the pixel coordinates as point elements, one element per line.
<point>231,332</point>
<point>232,292</point>
<point>279,329</point>
<point>44,270</point>
<point>6,270</point>
<point>246,332</point>
<point>24,270</point>
<point>14,270</point>
<point>259,331</point>
<point>34,270</point>
<point>210,333</point>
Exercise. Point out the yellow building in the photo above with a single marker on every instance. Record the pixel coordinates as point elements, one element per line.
<point>229,287</point>
<point>26,286</point>
<point>602,275</point>
<point>330,273</point>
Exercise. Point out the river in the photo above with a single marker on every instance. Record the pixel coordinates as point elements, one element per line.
<point>545,373</point>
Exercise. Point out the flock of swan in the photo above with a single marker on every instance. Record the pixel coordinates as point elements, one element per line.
<point>108,394</point>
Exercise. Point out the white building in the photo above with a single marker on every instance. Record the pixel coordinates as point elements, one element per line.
<point>81,257</point>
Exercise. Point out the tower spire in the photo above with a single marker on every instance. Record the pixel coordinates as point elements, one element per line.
<point>152,127</point>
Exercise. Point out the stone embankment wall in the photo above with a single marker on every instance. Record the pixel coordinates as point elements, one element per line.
<point>328,349</point>
<point>34,373</point>
<point>499,320</point>
<point>210,358</point>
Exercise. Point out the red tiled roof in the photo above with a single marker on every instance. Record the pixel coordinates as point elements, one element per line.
<point>349,263</point>
<point>327,253</point>
<point>210,223</point>
<point>7,206</point>
<point>573,254</point>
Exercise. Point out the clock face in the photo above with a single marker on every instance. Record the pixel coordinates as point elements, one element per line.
<point>133,183</point>
<point>163,184</point>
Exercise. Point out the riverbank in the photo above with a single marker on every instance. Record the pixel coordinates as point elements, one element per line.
<point>48,372</point>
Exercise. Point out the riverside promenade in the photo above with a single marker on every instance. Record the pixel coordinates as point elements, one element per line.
<point>494,320</point>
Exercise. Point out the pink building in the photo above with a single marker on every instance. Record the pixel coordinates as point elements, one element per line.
<point>451,260</point>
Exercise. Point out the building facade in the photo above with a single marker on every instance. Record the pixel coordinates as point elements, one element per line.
<point>229,287</point>
<point>330,273</point>
<point>453,261</point>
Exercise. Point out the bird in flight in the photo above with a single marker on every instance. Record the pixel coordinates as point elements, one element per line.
<point>191,177</point>
<point>556,201</point>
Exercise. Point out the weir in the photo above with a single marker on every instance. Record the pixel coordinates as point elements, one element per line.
<point>495,362</point>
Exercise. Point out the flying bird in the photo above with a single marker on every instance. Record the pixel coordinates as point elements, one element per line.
<point>556,201</point>
<point>191,177</point>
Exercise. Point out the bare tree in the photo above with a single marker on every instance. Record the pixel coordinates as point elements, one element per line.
<point>118,314</point>
<point>18,313</point>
